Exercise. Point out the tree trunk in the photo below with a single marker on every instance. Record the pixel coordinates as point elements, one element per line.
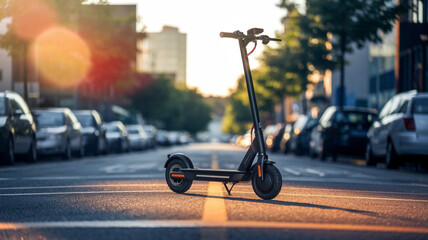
<point>25,72</point>
<point>342,70</point>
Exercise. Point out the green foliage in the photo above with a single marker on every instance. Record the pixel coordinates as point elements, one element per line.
<point>237,117</point>
<point>171,108</point>
<point>303,51</point>
<point>354,22</point>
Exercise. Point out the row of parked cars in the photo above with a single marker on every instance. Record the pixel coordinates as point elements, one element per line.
<point>60,131</point>
<point>399,133</point>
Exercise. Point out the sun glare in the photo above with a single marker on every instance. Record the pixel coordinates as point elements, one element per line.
<point>61,56</point>
<point>30,18</point>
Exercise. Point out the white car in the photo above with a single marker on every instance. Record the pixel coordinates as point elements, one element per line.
<point>401,131</point>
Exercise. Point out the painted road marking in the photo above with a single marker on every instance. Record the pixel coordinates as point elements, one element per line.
<point>215,192</point>
<point>77,177</point>
<point>211,224</point>
<point>214,208</point>
<point>150,184</point>
<point>316,172</point>
<point>289,170</point>
<point>125,168</point>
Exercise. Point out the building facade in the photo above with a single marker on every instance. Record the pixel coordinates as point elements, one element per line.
<point>411,64</point>
<point>382,67</point>
<point>164,53</point>
<point>5,62</point>
<point>356,79</point>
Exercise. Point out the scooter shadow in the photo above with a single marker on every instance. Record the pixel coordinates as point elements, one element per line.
<point>285,203</point>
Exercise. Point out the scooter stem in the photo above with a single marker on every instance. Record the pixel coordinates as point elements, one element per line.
<point>261,148</point>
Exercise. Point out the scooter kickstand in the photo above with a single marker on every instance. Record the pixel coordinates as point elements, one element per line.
<point>227,189</point>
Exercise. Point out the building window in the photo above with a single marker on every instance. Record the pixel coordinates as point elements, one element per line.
<point>418,11</point>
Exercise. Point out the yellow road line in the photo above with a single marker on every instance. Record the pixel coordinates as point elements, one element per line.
<point>214,208</point>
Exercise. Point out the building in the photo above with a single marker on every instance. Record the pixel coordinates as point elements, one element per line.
<point>5,62</point>
<point>164,53</point>
<point>411,63</point>
<point>382,67</point>
<point>356,79</point>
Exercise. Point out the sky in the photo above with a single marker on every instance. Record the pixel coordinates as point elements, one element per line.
<point>213,63</point>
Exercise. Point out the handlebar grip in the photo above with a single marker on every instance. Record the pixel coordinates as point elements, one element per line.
<point>275,39</point>
<point>227,35</point>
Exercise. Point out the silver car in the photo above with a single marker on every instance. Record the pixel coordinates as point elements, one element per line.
<point>138,138</point>
<point>401,130</point>
<point>58,132</point>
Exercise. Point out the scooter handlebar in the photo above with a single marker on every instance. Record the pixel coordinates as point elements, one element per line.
<point>238,34</point>
<point>227,35</point>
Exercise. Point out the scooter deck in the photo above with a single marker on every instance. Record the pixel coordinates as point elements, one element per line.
<point>216,175</point>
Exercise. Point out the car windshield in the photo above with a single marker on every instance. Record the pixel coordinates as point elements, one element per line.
<point>3,109</point>
<point>86,120</point>
<point>133,131</point>
<point>50,119</point>
<point>355,118</point>
<point>420,106</point>
<point>112,128</point>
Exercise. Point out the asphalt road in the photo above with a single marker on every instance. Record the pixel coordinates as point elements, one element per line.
<point>126,197</point>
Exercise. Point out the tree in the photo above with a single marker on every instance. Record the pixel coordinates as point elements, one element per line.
<point>109,34</point>
<point>353,22</point>
<point>303,51</point>
<point>237,117</point>
<point>30,18</point>
<point>171,108</point>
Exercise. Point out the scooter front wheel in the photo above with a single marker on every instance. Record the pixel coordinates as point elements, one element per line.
<point>176,185</point>
<point>271,186</point>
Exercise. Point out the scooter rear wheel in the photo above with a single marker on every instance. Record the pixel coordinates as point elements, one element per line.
<point>176,185</point>
<point>271,186</point>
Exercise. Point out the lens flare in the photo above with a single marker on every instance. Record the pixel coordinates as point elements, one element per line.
<point>61,56</point>
<point>30,18</point>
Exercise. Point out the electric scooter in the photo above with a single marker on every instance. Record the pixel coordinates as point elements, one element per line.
<point>266,178</point>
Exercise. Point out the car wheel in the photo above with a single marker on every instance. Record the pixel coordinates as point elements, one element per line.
<point>120,148</point>
<point>334,155</point>
<point>370,159</point>
<point>9,155</point>
<point>312,153</point>
<point>106,149</point>
<point>322,154</point>
<point>31,156</point>
<point>392,159</point>
<point>81,151</point>
<point>97,150</point>
<point>67,153</point>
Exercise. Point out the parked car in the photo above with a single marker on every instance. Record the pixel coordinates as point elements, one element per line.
<point>138,138</point>
<point>58,132</point>
<point>17,129</point>
<point>273,134</point>
<point>94,134</point>
<point>285,144</point>
<point>162,138</point>
<point>151,133</point>
<point>300,139</point>
<point>184,137</point>
<point>401,129</point>
<point>173,137</point>
<point>117,136</point>
<point>343,132</point>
